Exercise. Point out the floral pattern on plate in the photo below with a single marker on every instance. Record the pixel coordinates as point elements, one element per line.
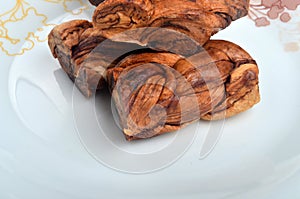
<point>20,13</point>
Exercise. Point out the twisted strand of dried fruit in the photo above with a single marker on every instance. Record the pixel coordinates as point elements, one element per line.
<point>65,42</point>
<point>198,20</point>
<point>242,91</point>
<point>157,92</point>
<point>234,9</point>
<point>62,39</point>
<point>85,54</point>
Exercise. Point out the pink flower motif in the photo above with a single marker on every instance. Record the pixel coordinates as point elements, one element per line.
<point>262,12</point>
<point>274,12</point>
<point>269,3</point>
<point>272,9</point>
<point>290,4</point>
<point>285,17</point>
<point>262,21</point>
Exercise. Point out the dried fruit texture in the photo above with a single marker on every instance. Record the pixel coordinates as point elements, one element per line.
<point>62,39</point>
<point>157,92</point>
<point>199,20</point>
<point>233,8</point>
<point>76,45</point>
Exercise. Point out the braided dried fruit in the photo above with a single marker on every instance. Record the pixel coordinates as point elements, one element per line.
<point>157,92</point>
<point>199,20</point>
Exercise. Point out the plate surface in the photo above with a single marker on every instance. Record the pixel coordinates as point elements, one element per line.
<point>54,143</point>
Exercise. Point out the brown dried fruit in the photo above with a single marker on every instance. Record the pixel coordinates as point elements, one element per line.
<point>199,20</point>
<point>157,93</point>
<point>85,54</point>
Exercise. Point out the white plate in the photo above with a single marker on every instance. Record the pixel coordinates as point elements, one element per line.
<point>57,144</point>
